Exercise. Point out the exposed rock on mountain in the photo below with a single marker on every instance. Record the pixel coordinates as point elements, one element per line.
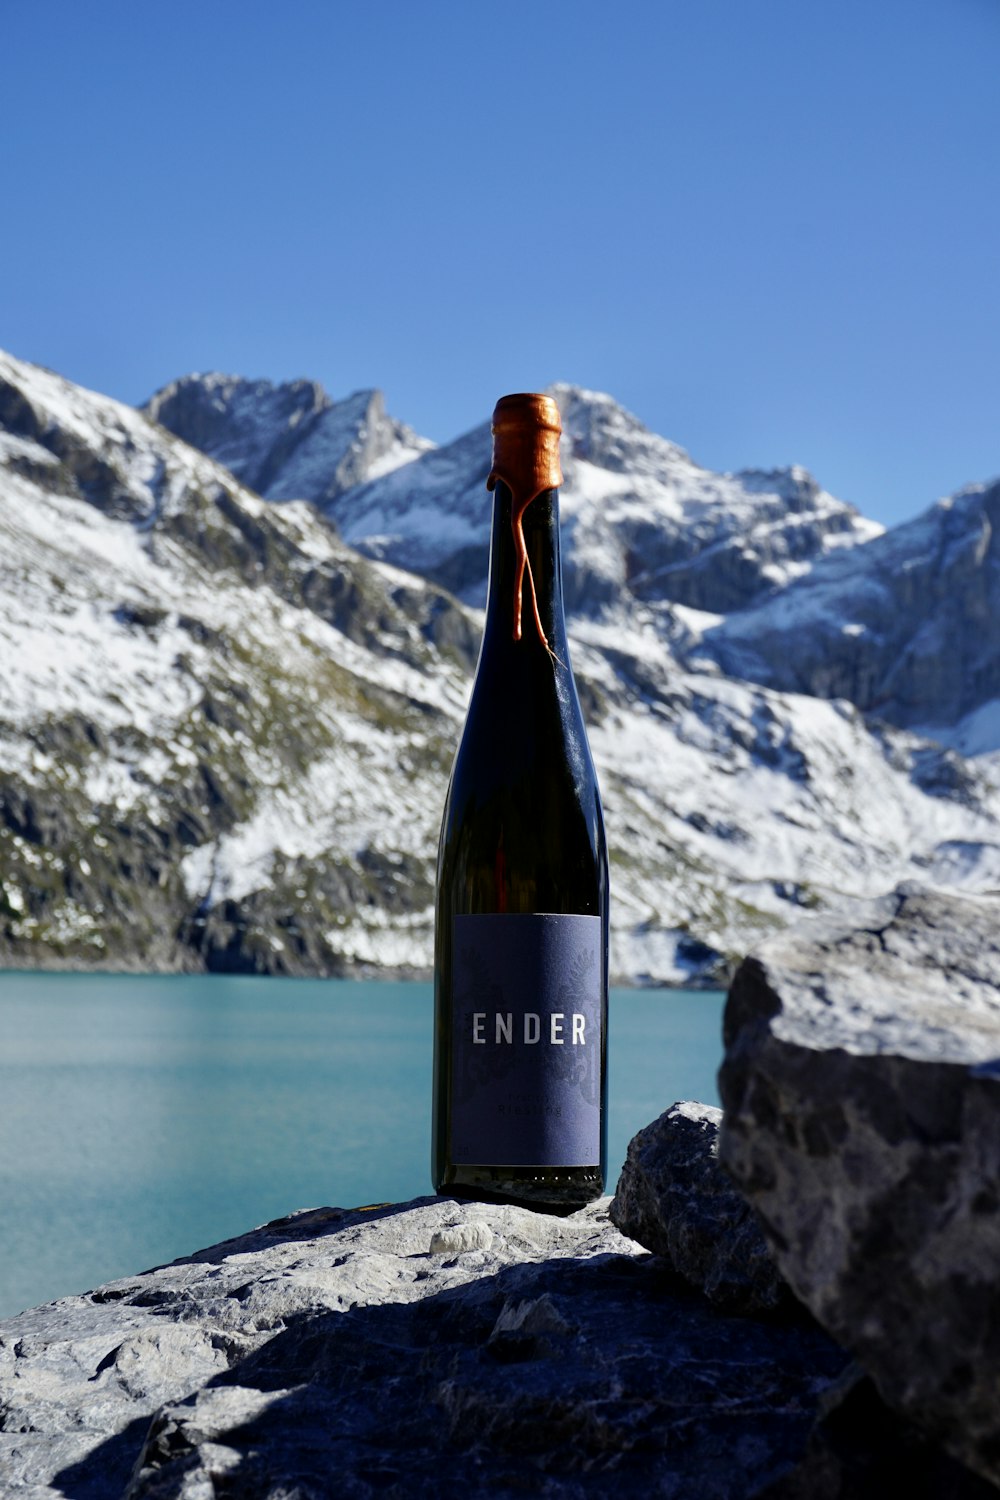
<point>861,1094</point>
<point>905,627</point>
<point>289,441</point>
<point>902,628</point>
<point>184,661</point>
<point>676,531</point>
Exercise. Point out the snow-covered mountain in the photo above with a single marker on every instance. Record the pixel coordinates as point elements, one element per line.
<point>761,573</point>
<point>225,734</point>
<point>642,520</point>
<point>290,441</point>
<point>906,627</point>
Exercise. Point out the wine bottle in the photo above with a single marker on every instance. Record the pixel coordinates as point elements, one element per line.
<point>521,935</point>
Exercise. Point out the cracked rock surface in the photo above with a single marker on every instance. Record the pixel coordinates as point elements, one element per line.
<point>861,1093</point>
<point>423,1349</point>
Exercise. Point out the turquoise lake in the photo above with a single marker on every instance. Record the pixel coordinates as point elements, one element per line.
<point>142,1118</point>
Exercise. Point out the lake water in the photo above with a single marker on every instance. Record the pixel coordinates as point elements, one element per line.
<point>145,1117</point>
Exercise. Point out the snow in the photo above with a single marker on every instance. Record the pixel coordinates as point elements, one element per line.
<point>373,938</point>
<point>965,865</point>
<point>15,449</point>
<point>343,804</point>
<point>696,620</point>
<point>400,453</point>
<point>858,583</point>
<point>705,800</point>
<point>63,648</point>
<point>422,510</point>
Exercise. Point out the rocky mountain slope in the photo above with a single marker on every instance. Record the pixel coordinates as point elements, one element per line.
<point>287,442</point>
<point>184,661</point>
<point>905,627</point>
<point>225,734</point>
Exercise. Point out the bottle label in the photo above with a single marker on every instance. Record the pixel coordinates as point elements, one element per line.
<point>526,1041</point>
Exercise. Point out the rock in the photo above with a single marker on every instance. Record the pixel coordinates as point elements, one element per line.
<point>861,1089</point>
<point>859,1450</point>
<point>462,1237</point>
<point>329,1354</point>
<point>674,1198</point>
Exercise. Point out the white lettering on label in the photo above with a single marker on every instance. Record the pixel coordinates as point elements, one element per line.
<point>504,1028</point>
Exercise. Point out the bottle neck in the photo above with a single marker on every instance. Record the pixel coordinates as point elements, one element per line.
<point>524,605</point>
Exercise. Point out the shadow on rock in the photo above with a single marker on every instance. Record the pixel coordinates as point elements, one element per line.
<point>568,1376</point>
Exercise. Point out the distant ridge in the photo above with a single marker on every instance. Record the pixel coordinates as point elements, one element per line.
<point>645,522</point>
<point>288,441</point>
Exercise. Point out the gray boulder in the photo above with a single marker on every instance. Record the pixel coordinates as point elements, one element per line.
<point>674,1198</point>
<point>861,1090</point>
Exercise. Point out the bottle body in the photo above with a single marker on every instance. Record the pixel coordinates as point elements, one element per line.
<point>521,935</point>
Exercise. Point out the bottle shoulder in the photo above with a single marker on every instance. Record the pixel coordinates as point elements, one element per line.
<point>526,699</point>
<point>524,744</point>
<point>528,805</point>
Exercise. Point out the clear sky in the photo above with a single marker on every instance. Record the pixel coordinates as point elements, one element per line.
<point>771,228</point>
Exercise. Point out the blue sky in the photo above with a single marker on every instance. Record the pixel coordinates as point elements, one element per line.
<point>770,228</point>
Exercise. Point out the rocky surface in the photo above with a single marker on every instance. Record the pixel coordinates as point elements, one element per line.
<point>421,1349</point>
<point>861,1089</point>
<point>436,1349</point>
<point>425,1349</point>
<point>675,1199</point>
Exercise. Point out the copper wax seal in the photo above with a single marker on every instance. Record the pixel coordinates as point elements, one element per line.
<point>526,431</point>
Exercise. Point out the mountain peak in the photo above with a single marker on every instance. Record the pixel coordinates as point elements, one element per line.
<point>226,388</point>
<point>602,432</point>
<point>287,441</point>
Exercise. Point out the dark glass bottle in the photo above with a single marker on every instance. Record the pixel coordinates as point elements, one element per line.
<point>521,947</point>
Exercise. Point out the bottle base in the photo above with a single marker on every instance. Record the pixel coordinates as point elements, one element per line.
<point>550,1190</point>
